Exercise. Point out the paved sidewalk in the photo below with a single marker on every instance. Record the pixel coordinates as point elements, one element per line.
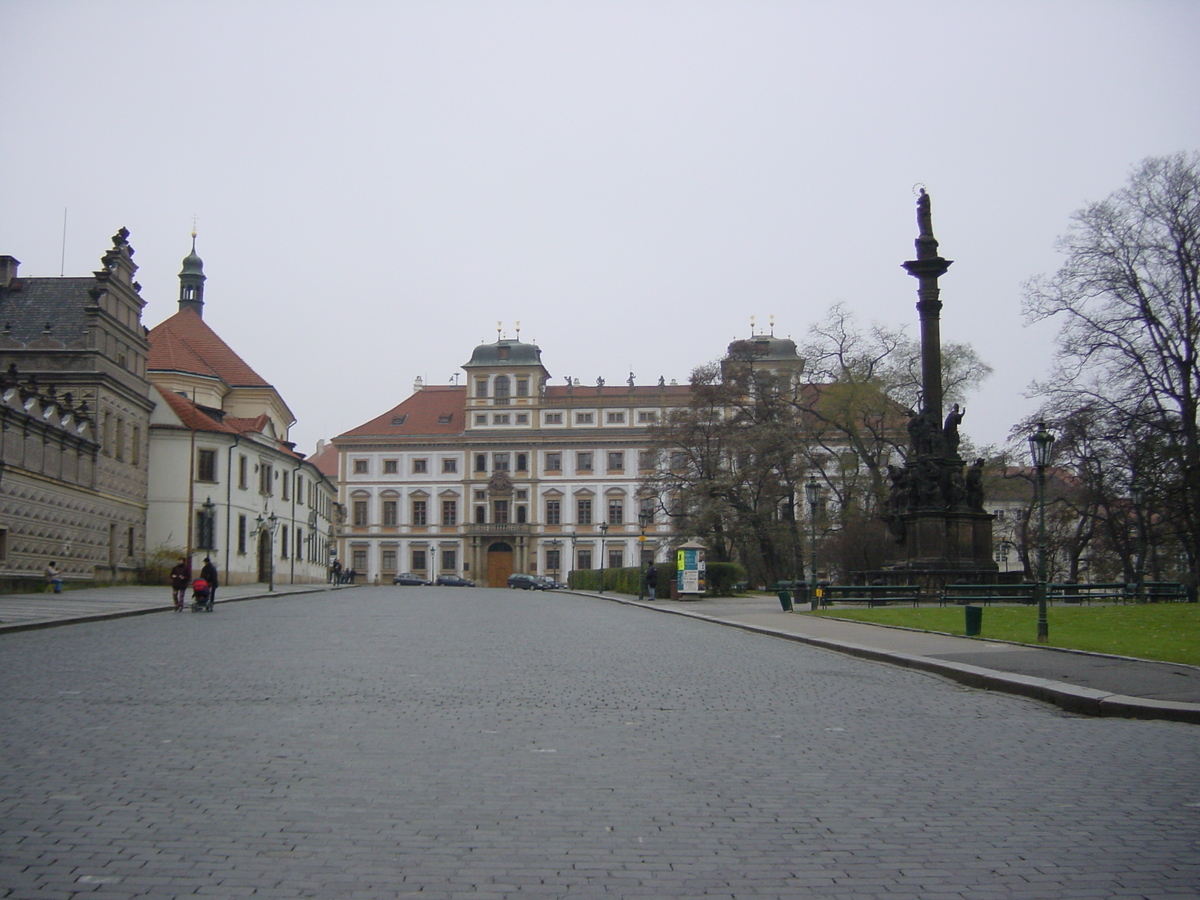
<point>1089,683</point>
<point>21,612</point>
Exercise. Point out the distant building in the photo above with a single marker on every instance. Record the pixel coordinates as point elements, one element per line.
<point>74,422</point>
<point>224,480</point>
<point>504,474</point>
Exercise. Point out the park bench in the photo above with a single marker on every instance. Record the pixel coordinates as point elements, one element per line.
<point>871,594</point>
<point>959,594</point>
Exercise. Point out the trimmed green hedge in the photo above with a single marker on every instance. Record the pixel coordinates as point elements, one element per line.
<point>721,579</point>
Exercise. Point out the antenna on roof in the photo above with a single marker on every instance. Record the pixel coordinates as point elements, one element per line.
<point>752,326</point>
<point>518,329</point>
<point>497,332</point>
<point>772,326</point>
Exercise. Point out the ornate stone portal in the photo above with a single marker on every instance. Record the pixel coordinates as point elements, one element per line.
<point>936,509</point>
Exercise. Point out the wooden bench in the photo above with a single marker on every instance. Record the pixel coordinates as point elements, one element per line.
<point>960,594</point>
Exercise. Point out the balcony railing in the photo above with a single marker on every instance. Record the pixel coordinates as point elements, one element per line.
<point>500,528</point>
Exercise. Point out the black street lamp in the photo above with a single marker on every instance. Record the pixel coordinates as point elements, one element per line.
<point>1137,493</point>
<point>812,493</point>
<point>603,538</point>
<point>574,558</point>
<point>1041,444</point>
<point>645,517</point>
<point>555,545</point>
<point>269,526</point>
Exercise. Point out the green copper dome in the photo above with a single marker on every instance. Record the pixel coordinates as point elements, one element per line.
<point>506,353</point>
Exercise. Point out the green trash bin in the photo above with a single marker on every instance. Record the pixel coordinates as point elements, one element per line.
<point>785,600</point>
<point>974,620</point>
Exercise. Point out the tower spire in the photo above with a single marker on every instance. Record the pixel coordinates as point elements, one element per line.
<point>191,281</point>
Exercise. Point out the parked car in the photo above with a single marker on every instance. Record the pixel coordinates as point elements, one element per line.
<point>453,581</point>
<point>527,582</point>
<point>409,578</point>
<point>552,585</point>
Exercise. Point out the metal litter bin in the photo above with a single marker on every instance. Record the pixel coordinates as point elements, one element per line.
<point>785,600</point>
<point>974,620</point>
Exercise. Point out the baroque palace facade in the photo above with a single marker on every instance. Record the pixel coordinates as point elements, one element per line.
<point>509,474</point>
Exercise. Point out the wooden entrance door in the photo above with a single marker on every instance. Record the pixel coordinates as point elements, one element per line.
<point>499,564</point>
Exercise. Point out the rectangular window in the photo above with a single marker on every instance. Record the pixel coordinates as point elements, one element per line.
<point>449,466</point>
<point>390,513</point>
<point>645,459</point>
<point>583,461</point>
<point>616,511</point>
<point>358,559</point>
<point>583,559</point>
<point>615,418</point>
<point>522,418</point>
<point>480,462</point>
<point>616,461</point>
<point>420,466</point>
<point>480,419</point>
<point>242,534</point>
<point>129,541</point>
<point>522,462</point>
<point>206,465</point>
<point>360,512</point>
<point>500,512</point>
<point>243,472</point>
<point>553,561</point>
<point>500,462</point>
<point>135,447</point>
<point>481,387</point>
<point>553,418</point>
<point>449,512</point>
<point>616,557</point>
<point>500,419</point>
<point>647,418</point>
<point>388,560</point>
<point>553,462</point>
<point>583,511</point>
<point>584,418</point>
<point>121,441</point>
<point>284,485</point>
<point>361,466</point>
<point>420,514</point>
<point>418,560</point>
<point>553,512</point>
<point>522,387</point>
<point>266,484</point>
<point>449,560</point>
<point>481,495</point>
<point>647,508</point>
<point>391,467</point>
<point>283,542</point>
<point>206,530</point>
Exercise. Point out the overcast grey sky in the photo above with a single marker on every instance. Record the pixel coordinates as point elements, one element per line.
<point>377,184</point>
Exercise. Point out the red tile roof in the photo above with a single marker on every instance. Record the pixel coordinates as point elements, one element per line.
<point>326,461</point>
<point>435,409</point>
<point>185,343</point>
<point>192,417</point>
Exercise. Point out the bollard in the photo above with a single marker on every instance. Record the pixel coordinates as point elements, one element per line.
<point>974,620</point>
<point>785,600</point>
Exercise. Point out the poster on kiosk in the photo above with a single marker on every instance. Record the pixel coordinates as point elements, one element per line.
<point>690,574</point>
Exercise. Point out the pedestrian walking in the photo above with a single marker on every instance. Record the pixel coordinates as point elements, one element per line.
<point>651,580</point>
<point>181,575</point>
<point>336,572</point>
<point>53,578</point>
<point>209,574</point>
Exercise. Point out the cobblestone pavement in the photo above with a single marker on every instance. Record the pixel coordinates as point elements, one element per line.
<point>487,744</point>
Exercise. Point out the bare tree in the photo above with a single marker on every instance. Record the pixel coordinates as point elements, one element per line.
<point>1128,296</point>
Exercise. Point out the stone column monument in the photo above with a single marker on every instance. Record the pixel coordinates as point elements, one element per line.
<point>942,534</point>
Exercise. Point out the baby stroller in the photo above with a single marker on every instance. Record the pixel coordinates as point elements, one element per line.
<point>201,596</point>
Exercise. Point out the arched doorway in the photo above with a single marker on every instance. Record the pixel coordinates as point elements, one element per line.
<point>499,563</point>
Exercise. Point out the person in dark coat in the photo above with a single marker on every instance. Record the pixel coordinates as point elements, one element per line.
<point>651,580</point>
<point>209,574</point>
<point>181,577</point>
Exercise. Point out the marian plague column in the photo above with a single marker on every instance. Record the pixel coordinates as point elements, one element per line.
<point>936,509</point>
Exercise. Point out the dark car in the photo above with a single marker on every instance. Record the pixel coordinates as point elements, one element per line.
<point>409,578</point>
<point>453,581</point>
<point>527,582</point>
<point>552,585</point>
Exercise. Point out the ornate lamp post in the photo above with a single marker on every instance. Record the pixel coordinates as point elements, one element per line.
<point>555,545</point>
<point>644,519</point>
<point>269,526</point>
<point>1137,493</point>
<point>812,493</point>
<point>574,558</point>
<point>603,538</point>
<point>1041,444</point>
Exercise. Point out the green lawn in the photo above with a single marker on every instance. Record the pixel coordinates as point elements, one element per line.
<point>1162,631</point>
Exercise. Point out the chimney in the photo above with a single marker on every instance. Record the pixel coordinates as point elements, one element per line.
<point>8,270</point>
